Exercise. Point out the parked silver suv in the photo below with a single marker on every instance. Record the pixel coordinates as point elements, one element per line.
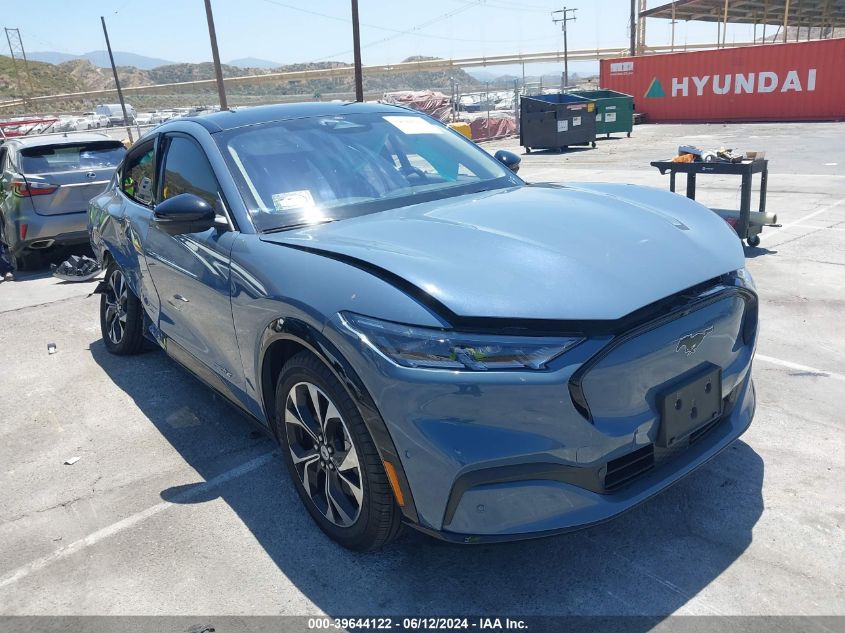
<point>45,186</point>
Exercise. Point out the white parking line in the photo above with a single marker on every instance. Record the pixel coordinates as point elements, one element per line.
<point>807,217</point>
<point>796,366</point>
<point>124,524</point>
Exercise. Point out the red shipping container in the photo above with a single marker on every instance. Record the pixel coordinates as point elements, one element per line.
<point>802,81</point>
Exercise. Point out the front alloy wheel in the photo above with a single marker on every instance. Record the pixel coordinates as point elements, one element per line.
<point>323,454</point>
<point>331,456</point>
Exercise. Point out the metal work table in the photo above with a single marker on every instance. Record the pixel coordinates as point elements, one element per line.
<point>747,230</point>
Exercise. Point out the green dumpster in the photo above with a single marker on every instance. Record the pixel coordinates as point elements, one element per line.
<point>614,110</point>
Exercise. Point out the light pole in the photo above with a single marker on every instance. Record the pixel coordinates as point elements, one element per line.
<point>117,82</point>
<point>215,54</point>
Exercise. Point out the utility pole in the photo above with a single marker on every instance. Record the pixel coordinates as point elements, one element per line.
<point>215,55</point>
<point>117,82</point>
<point>16,50</point>
<point>674,22</point>
<point>563,20</point>
<point>785,20</point>
<point>634,28</point>
<point>356,48</point>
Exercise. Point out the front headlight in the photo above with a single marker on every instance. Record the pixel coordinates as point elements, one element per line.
<point>745,275</point>
<point>412,346</point>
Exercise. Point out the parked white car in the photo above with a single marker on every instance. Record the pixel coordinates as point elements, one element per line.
<point>96,121</point>
<point>114,112</point>
<point>64,124</point>
<point>148,118</point>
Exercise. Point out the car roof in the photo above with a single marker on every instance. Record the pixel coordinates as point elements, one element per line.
<point>240,117</point>
<point>58,139</point>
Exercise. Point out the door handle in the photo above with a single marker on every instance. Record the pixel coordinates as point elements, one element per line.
<point>181,298</point>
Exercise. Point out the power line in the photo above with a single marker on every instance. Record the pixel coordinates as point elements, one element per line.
<point>444,16</point>
<point>511,6</point>
<point>414,29</point>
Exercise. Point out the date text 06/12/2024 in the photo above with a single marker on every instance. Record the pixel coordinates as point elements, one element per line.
<point>417,624</point>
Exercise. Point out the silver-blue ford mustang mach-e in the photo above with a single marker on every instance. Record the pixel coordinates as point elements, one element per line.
<point>431,340</point>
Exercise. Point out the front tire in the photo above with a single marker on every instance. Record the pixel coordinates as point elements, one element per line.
<point>121,315</point>
<point>331,457</point>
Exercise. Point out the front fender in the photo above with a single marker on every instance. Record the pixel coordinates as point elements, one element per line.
<point>294,331</point>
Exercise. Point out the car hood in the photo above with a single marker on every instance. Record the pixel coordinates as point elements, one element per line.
<point>588,251</point>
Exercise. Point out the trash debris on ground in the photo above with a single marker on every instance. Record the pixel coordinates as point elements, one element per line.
<point>51,348</point>
<point>70,461</point>
<point>76,268</point>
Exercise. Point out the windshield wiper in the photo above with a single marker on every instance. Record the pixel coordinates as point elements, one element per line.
<point>298,225</point>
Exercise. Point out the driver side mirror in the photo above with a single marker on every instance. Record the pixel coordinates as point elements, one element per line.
<point>508,159</point>
<point>185,213</point>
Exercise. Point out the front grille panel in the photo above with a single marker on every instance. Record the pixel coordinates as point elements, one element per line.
<point>625,469</point>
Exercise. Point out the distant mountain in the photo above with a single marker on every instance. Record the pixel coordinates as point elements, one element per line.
<point>253,62</point>
<point>100,58</point>
<point>80,75</point>
<point>482,74</point>
<point>50,57</point>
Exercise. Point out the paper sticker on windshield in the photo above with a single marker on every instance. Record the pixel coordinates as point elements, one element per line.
<point>413,125</point>
<point>292,200</point>
<point>145,190</point>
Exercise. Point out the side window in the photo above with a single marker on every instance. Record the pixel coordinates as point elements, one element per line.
<point>5,159</point>
<point>187,170</point>
<point>138,173</point>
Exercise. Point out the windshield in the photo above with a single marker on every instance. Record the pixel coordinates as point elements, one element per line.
<point>51,158</point>
<point>326,168</point>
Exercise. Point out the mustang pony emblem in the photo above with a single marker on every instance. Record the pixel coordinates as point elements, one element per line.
<point>690,342</point>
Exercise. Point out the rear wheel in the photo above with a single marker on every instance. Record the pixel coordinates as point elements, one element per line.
<point>121,315</point>
<point>27,260</point>
<point>332,458</point>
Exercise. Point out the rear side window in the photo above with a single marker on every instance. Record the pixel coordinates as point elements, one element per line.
<point>187,170</point>
<point>52,158</point>
<point>138,174</point>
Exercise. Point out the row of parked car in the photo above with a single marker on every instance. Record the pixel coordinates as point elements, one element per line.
<point>103,116</point>
<point>46,180</point>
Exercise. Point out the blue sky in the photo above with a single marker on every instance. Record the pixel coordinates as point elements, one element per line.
<point>290,31</point>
